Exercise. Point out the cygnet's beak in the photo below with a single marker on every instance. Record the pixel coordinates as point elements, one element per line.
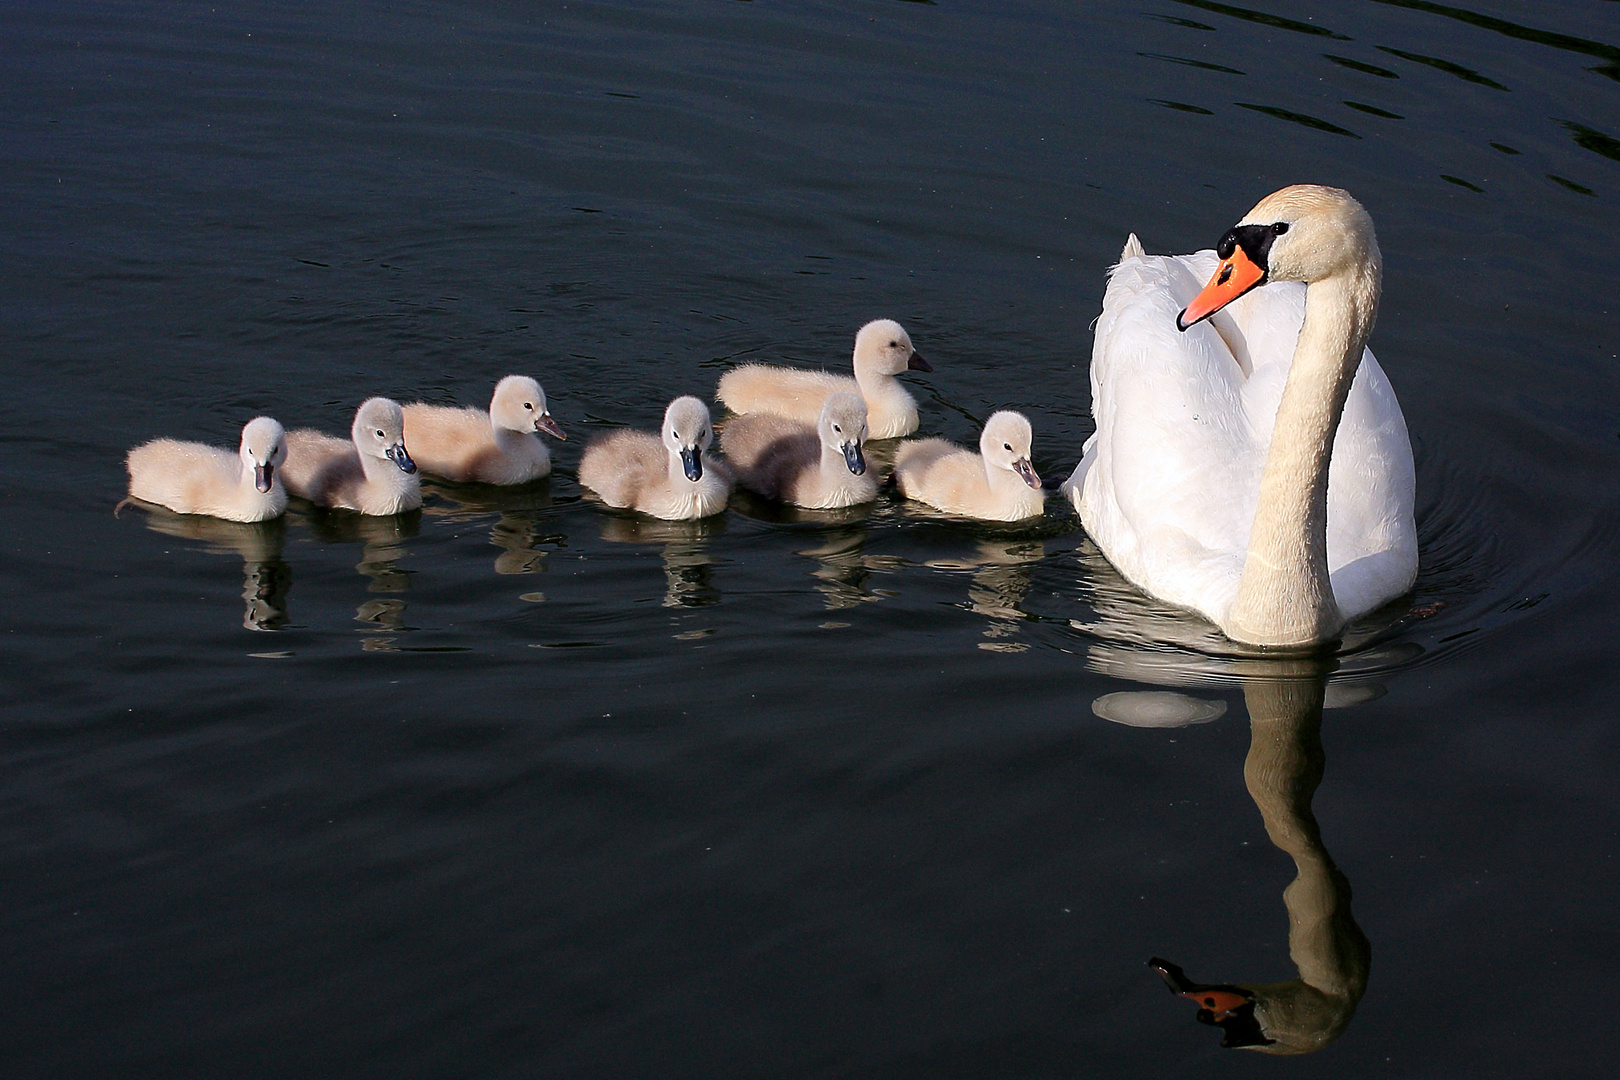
<point>398,456</point>
<point>1233,277</point>
<point>263,475</point>
<point>692,462</point>
<point>853,457</point>
<point>1026,472</point>
<point>917,363</point>
<point>545,423</point>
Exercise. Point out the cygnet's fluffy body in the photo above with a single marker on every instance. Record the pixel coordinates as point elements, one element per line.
<point>370,472</point>
<point>818,466</point>
<point>469,445</point>
<point>663,475</point>
<point>996,484</point>
<point>194,478</point>
<point>882,350</point>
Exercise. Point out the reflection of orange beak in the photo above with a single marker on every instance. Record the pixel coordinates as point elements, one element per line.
<point>1220,1003</point>
<point>1233,278</point>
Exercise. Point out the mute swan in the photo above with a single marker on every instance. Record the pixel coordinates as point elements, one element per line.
<point>371,472</point>
<point>194,478</point>
<point>819,467</point>
<point>664,477</point>
<point>996,484</point>
<point>495,447</point>
<point>882,350</point>
<point>1255,469</point>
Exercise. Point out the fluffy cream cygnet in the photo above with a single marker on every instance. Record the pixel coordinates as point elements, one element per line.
<point>882,350</point>
<point>371,472</point>
<point>194,478</point>
<point>665,476</point>
<point>820,467</point>
<point>495,447</point>
<point>996,484</point>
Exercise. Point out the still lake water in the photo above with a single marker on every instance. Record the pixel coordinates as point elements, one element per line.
<point>516,786</point>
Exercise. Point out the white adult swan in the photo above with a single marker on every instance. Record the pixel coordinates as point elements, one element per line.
<point>1255,468</point>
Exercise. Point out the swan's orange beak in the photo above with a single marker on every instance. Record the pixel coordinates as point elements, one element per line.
<point>1234,277</point>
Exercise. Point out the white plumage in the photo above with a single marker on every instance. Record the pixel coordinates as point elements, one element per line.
<point>1170,485</point>
<point>194,478</point>
<point>501,446</point>
<point>996,484</point>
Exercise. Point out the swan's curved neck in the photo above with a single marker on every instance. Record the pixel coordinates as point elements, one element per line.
<point>1284,596</point>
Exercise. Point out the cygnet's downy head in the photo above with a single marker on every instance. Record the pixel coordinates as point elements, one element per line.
<point>884,346</point>
<point>520,405</point>
<point>379,431</point>
<point>1302,233</point>
<point>842,426</point>
<point>687,432</point>
<point>263,449</point>
<point>1006,443</point>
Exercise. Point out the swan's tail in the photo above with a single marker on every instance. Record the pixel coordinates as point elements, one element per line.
<point>1133,249</point>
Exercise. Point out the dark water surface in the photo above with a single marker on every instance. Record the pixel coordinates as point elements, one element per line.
<point>515,786</point>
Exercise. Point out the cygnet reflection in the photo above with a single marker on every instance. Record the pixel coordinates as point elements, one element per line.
<point>1002,573</point>
<point>688,564</point>
<point>266,577</point>
<point>382,546</point>
<point>1330,952</point>
<point>519,529</point>
<point>845,574</point>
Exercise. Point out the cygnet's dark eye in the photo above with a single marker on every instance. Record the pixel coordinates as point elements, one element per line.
<point>380,434</point>
<point>1279,228</point>
<point>530,407</point>
<point>1008,446</point>
<point>896,345</point>
<point>838,429</point>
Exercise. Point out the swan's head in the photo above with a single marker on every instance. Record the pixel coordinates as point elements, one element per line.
<point>520,405</point>
<point>379,432</point>
<point>1302,233</point>
<point>264,448</point>
<point>1005,444</point>
<point>842,426</point>
<point>883,347</point>
<point>687,433</point>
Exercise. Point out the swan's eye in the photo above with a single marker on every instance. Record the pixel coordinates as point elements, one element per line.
<point>1008,446</point>
<point>530,407</point>
<point>1279,228</point>
<point>896,345</point>
<point>380,434</point>
<point>838,429</point>
<point>1226,275</point>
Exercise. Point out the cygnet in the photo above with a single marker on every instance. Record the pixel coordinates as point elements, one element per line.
<point>996,484</point>
<point>371,472</point>
<point>666,477</point>
<point>194,478</point>
<point>882,350</point>
<point>820,467</point>
<point>495,447</point>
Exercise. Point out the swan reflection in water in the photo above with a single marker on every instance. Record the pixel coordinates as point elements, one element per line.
<point>266,577</point>
<point>688,564</point>
<point>381,541</point>
<point>1285,699</point>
